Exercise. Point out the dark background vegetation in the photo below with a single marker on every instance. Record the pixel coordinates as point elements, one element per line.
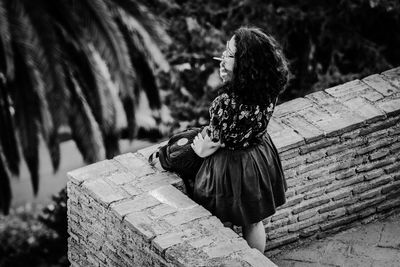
<point>327,43</point>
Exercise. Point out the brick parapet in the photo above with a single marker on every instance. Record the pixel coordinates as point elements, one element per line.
<point>124,212</point>
<point>340,152</point>
<point>343,165</point>
<point>337,110</point>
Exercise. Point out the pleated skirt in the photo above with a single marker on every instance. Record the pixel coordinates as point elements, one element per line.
<point>242,186</point>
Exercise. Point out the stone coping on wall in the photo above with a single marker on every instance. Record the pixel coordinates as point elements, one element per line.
<point>336,110</point>
<point>340,153</point>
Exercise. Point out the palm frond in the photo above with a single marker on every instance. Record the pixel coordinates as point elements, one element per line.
<point>69,14</point>
<point>141,65</point>
<point>105,87</point>
<point>129,107</point>
<point>64,17</point>
<point>81,62</point>
<point>36,48</point>
<point>99,40</point>
<point>7,135</point>
<point>106,38</point>
<point>150,42</point>
<point>5,187</point>
<point>6,59</point>
<point>51,70</point>
<point>138,11</point>
<point>109,103</point>
<point>27,115</point>
<point>93,78</point>
<point>85,129</point>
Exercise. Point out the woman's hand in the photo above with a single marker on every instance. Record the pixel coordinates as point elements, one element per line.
<point>203,146</point>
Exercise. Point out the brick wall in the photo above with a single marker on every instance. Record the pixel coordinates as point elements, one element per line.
<point>122,212</point>
<point>340,151</point>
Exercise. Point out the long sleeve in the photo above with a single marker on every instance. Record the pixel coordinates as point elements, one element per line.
<point>220,117</point>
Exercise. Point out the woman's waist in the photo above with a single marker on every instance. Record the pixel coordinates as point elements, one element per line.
<point>247,143</point>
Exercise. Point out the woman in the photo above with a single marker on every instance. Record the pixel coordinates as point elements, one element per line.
<point>241,179</point>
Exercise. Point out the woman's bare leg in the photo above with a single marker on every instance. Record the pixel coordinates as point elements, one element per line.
<point>254,234</point>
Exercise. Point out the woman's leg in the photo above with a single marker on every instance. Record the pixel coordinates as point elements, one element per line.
<point>255,235</point>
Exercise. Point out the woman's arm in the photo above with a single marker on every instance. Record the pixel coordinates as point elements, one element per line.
<point>213,136</point>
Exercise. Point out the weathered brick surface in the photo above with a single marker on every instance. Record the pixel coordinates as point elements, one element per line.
<point>292,106</point>
<point>310,204</point>
<point>352,90</point>
<point>379,83</point>
<point>103,191</point>
<point>340,153</point>
<point>338,204</point>
<point>139,203</point>
<point>366,110</point>
<point>287,239</point>
<point>378,128</point>
<point>284,136</point>
<point>288,154</point>
<point>304,128</point>
<point>344,221</point>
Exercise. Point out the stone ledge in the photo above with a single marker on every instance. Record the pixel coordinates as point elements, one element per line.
<point>336,110</point>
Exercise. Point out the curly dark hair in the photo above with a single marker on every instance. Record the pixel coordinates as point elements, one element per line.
<point>261,70</point>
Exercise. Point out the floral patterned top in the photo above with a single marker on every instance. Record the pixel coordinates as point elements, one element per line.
<point>238,125</point>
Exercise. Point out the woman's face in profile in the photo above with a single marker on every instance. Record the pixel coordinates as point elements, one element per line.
<point>228,61</point>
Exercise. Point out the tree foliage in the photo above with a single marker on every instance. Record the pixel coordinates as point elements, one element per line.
<point>81,63</point>
<point>327,42</point>
<point>26,241</point>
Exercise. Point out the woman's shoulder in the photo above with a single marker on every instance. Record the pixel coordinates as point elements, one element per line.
<point>235,102</point>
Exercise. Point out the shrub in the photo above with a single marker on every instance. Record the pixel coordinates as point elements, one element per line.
<point>26,241</point>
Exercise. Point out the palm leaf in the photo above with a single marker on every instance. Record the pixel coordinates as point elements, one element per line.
<point>7,135</point>
<point>141,65</point>
<point>85,52</point>
<point>150,42</point>
<point>129,107</point>
<point>95,83</point>
<point>109,102</point>
<point>68,14</point>
<point>36,49</point>
<point>138,12</point>
<point>101,96</point>
<point>6,59</point>
<point>49,66</point>
<point>5,187</point>
<point>85,129</point>
<point>106,38</point>
<point>27,115</point>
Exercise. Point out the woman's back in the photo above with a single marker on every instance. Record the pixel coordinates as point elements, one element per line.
<point>238,125</point>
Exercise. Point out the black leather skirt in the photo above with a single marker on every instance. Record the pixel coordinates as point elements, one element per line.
<point>242,186</point>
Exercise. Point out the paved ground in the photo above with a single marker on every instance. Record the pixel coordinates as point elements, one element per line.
<point>376,244</point>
